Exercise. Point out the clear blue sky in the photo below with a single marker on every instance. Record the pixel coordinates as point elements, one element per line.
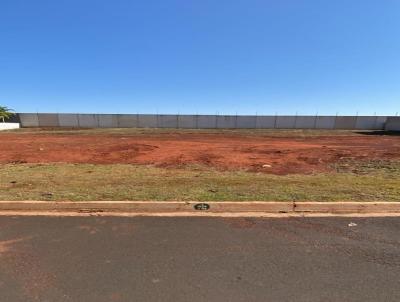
<point>203,56</point>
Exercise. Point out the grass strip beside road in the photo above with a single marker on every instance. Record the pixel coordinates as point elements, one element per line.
<point>80,182</point>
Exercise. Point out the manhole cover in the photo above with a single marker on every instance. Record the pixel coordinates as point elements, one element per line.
<point>202,206</point>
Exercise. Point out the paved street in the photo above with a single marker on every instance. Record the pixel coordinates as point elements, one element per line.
<point>199,259</point>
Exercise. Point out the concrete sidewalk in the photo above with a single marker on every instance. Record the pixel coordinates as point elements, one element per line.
<point>200,208</point>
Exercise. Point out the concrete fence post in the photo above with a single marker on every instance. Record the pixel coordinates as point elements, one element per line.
<point>335,124</point>
<point>315,121</point>
<point>376,122</point>
<point>355,124</point>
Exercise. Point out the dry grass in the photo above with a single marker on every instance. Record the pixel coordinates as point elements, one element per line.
<point>353,182</point>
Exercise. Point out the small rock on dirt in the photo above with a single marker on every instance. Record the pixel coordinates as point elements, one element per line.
<point>266,166</point>
<point>352,224</point>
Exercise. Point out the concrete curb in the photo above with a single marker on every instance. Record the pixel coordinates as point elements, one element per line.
<point>168,207</point>
<point>347,207</point>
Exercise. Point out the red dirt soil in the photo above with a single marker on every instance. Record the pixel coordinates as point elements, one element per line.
<point>285,155</point>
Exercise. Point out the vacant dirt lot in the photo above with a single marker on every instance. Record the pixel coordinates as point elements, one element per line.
<point>226,151</point>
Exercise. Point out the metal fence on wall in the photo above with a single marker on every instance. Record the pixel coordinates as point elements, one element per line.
<point>200,121</point>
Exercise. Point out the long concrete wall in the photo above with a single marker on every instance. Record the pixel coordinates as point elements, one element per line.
<point>200,121</point>
<point>393,124</point>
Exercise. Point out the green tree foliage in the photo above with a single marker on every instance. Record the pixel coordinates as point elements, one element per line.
<point>5,113</point>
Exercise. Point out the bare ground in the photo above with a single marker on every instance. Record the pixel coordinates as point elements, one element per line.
<point>225,150</point>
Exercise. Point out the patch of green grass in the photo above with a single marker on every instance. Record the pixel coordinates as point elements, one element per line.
<point>130,182</point>
<point>366,167</point>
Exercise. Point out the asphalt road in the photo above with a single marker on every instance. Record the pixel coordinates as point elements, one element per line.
<point>199,259</point>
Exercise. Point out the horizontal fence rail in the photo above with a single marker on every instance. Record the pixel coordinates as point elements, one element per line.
<point>74,120</point>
